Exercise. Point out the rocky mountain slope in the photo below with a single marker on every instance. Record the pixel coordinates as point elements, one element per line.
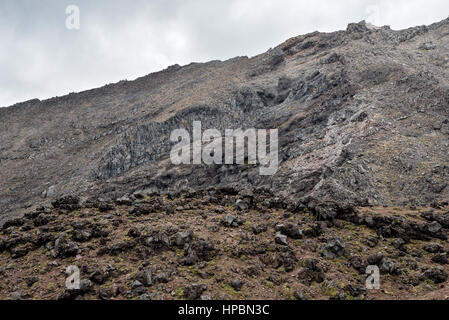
<point>363,117</point>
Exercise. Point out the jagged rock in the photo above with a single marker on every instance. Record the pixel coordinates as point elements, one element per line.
<point>281,239</point>
<point>433,247</point>
<point>15,222</point>
<point>134,232</point>
<point>145,277</point>
<point>437,275</point>
<point>198,250</point>
<point>299,295</point>
<point>42,219</point>
<point>85,286</point>
<point>124,201</point>
<point>194,291</point>
<point>388,267</point>
<point>104,293</point>
<point>81,235</point>
<point>242,205</point>
<point>259,228</point>
<point>334,248</point>
<point>332,58</point>
<point>375,259</point>
<point>98,277</point>
<point>230,221</point>
<point>16,295</point>
<point>441,259</point>
<point>316,111</point>
<point>183,237</point>
<point>330,210</point>
<point>358,264</point>
<point>105,206</point>
<point>69,203</point>
<point>136,284</point>
<point>311,272</point>
<point>159,241</point>
<point>237,284</point>
<point>427,46</point>
<point>360,27</point>
<point>31,280</point>
<point>290,229</point>
<point>64,248</point>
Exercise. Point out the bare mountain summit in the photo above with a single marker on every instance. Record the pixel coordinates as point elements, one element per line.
<point>363,117</point>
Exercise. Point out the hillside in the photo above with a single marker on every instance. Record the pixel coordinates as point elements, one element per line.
<point>362,114</point>
<point>363,120</point>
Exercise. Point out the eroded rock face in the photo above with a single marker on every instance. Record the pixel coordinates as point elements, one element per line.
<point>355,126</point>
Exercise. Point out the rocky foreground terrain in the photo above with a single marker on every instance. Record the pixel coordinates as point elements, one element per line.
<point>223,244</point>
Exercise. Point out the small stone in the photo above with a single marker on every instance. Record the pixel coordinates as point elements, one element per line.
<point>433,247</point>
<point>31,280</point>
<point>15,296</point>
<point>104,294</point>
<point>290,229</point>
<point>242,205</point>
<point>334,248</point>
<point>281,239</point>
<point>441,259</point>
<point>162,277</point>
<point>194,291</point>
<point>259,228</point>
<point>146,297</point>
<point>134,232</point>
<point>388,267</point>
<point>434,228</point>
<point>144,277</point>
<point>124,201</point>
<point>437,275</point>
<point>136,284</point>
<point>299,295</point>
<point>237,284</point>
<point>64,248</point>
<point>98,277</point>
<point>229,221</point>
<point>375,259</point>
<point>183,237</point>
<point>81,235</point>
<point>85,286</point>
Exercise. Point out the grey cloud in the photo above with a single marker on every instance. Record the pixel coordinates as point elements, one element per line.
<point>119,39</point>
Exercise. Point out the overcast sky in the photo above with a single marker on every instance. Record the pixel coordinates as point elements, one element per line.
<point>126,39</point>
